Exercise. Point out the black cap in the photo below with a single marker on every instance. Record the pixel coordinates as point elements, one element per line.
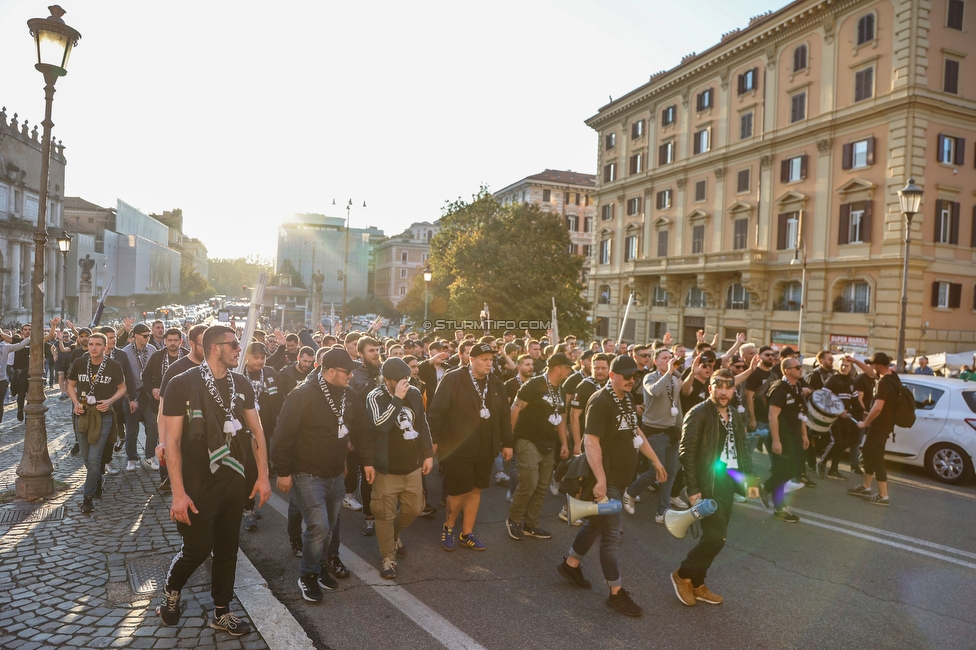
<point>879,359</point>
<point>787,352</point>
<point>257,348</point>
<point>559,359</point>
<point>337,358</point>
<point>480,348</point>
<point>141,328</point>
<point>587,355</point>
<point>395,369</point>
<point>624,365</point>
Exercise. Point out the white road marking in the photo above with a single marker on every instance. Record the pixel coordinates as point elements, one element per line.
<point>814,520</point>
<point>272,619</point>
<point>449,635</point>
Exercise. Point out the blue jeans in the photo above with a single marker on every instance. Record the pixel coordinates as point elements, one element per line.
<point>92,453</point>
<point>295,527</point>
<point>607,528</point>
<point>319,500</point>
<point>667,453</point>
<point>142,414</point>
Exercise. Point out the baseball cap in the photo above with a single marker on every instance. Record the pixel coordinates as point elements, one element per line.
<point>624,365</point>
<point>879,359</point>
<point>588,354</point>
<point>395,369</point>
<point>480,348</point>
<point>141,328</point>
<point>559,359</point>
<point>257,348</point>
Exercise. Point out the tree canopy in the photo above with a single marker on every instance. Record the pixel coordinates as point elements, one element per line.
<point>194,287</point>
<point>229,276</point>
<point>513,257</point>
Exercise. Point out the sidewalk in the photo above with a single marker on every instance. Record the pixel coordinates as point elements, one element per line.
<point>94,581</point>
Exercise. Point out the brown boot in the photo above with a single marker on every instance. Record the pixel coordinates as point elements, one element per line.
<point>684,589</point>
<point>705,595</point>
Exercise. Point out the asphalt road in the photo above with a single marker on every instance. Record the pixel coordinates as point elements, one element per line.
<point>849,575</point>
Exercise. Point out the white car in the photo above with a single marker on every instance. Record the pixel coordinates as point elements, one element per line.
<point>943,440</point>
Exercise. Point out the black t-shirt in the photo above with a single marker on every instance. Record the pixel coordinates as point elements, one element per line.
<point>790,401</point>
<point>106,380</point>
<point>818,378</point>
<point>543,400</point>
<point>512,388</point>
<point>584,391</point>
<point>756,379</point>
<point>698,394</point>
<point>863,383</point>
<point>605,420</point>
<point>569,388</point>
<point>886,388</point>
<point>843,387</point>
<point>175,369</point>
<point>176,397</point>
<point>539,366</point>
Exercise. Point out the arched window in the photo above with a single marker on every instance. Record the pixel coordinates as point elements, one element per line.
<point>604,297</point>
<point>791,298</point>
<point>854,299</point>
<point>865,29</point>
<point>659,298</point>
<point>800,58</point>
<point>736,297</point>
<point>695,298</point>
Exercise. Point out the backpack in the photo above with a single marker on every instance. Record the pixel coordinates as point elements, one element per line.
<point>760,399</point>
<point>904,414</point>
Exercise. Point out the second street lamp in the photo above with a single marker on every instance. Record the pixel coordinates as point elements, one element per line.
<point>54,41</point>
<point>428,276</point>
<point>910,198</point>
<point>64,245</point>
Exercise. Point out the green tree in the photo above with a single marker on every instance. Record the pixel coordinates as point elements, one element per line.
<point>194,287</point>
<point>515,258</point>
<point>359,306</point>
<point>229,275</point>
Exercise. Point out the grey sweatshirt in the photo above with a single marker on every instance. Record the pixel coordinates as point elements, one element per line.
<point>657,406</point>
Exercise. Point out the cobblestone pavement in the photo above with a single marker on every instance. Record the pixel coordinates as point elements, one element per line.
<point>66,583</point>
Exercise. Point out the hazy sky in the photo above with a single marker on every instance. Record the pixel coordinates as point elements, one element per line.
<point>244,112</point>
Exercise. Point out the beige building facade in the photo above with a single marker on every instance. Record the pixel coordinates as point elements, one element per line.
<point>400,259</point>
<point>782,149</point>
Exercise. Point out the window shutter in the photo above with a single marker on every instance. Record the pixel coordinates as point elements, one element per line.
<point>844,227</point>
<point>781,231</point>
<point>973,233</point>
<point>938,221</point>
<point>784,171</point>
<point>871,150</point>
<point>939,147</point>
<point>847,158</point>
<point>803,166</point>
<point>935,294</point>
<point>698,102</point>
<point>662,155</point>
<point>955,295</point>
<point>696,149</point>
<point>866,222</point>
<point>960,151</point>
<point>742,83</point>
<point>755,78</point>
<point>954,225</point>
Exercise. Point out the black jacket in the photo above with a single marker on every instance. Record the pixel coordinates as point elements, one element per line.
<point>427,373</point>
<point>454,412</point>
<point>701,446</point>
<point>306,435</point>
<point>364,379</point>
<point>384,412</point>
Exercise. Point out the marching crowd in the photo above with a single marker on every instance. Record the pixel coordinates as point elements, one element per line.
<point>356,421</point>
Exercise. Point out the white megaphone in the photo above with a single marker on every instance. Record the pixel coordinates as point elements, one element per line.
<point>679,521</point>
<point>577,509</point>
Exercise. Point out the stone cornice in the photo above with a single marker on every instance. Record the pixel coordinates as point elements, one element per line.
<point>747,43</point>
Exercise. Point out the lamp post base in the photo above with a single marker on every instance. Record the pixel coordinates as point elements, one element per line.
<point>34,486</point>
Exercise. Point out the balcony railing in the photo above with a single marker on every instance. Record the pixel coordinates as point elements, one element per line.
<point>845,306</point>
<point>786,304</point>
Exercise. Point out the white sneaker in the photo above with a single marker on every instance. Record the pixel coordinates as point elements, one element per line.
<point>553,486</point>
<point>564,515</point>
<point>658,519</point>
<point>154,464</point>
<point>679,503</point>
<point>793,486</point>
<point>508,496</point>
<point>352,503</point>
<point>501,478</point>
<point>739,498</point>
<point>110,469</point>
<point>628,502</point>
<point>131,465</point>
<point>147,463</point>
<point>637,498</point>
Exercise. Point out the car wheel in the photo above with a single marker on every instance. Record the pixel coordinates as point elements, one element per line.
<point>949,464</point>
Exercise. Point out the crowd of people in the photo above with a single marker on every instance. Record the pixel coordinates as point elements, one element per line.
<point>356,421</point>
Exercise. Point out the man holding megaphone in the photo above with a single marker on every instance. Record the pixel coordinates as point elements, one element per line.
<point>714,454</point>
<point>611,442</point>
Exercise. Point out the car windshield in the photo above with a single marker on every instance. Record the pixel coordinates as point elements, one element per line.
<point>970,397</point>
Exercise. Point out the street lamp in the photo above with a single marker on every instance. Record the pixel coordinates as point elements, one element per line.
<point>345,264</point>
<point>428,276</point>
<point>910,198</point>
<point>800,246</point>
<point>64,245</point>
<point>53,40</point>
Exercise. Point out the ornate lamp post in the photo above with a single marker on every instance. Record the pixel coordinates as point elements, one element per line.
<point>910,198</point>
<point>428,276</point>
<point>54,41</point>
<point>64,245</point>
<point>345,264</point>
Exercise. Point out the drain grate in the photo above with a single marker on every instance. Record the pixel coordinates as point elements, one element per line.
<point>11,516</point>
<point>148,573</point>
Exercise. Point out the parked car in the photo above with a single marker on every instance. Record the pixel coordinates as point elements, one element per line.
<point>943,440</point>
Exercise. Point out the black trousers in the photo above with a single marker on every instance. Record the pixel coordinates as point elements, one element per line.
<point>714,529</point>
<point>217,529</point>
<point>874,452</point>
